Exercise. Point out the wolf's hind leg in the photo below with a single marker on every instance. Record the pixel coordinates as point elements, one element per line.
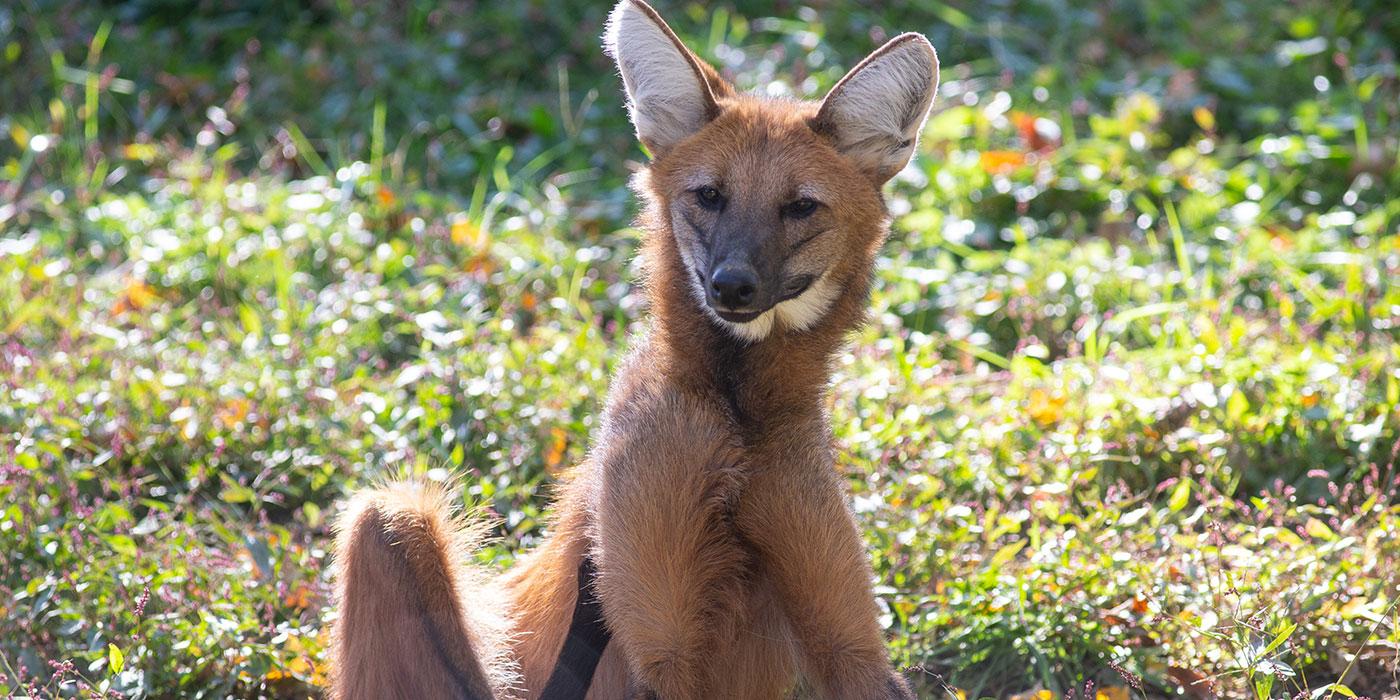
<point>414,621</point>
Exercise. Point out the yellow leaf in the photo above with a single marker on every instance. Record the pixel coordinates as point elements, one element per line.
<point>1181,496</point>
<point>1204,118</point>
<point>143,152</point>
<point>1046,408</point>
<point>1288,537</point>
<point>906,608</point>
<point>299,665</point>
<point>1236,405</point>
<point>1007,553</point>
<point>1355,607</point>
<point>468,233</point>
<point>1139,109</point>
<point>1317,528</point>
<point>115,659</point>
<point>1112,692</point>
<point>1341,690</point>
<point>20,135</point>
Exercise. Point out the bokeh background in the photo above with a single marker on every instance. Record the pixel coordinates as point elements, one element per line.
<point>1123,424</point>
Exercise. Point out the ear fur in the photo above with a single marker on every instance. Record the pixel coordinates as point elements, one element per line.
<point>671,93</point>
<point>875,113</point>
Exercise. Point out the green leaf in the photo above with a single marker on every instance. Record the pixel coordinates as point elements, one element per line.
<point>1006,554</point>
<point>115,660</point>
<point>1331,688</point>
<point>1236,405</point>
<point>1181,495</point>
<point>1282,637</point>
<point>122,545</point>
<point>1263,686</point>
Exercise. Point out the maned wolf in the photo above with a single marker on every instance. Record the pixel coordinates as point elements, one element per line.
<point>705,548</point>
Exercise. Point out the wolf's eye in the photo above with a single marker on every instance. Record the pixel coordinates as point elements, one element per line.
<point>709,197</point>
<point>801,208</point>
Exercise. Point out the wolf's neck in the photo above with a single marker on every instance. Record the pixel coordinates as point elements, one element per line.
<point>780,378</point>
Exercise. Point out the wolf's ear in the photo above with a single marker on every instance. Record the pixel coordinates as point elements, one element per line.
<point>671,93</point>
<point>875,113</point>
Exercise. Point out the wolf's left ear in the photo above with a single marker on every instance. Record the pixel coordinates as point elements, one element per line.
<point>671,93</point>
<point>875,113</point>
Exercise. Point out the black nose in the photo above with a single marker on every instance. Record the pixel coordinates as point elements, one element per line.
<point>735,285</point>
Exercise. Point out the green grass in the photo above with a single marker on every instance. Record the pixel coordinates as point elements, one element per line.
<point>1127,410</point>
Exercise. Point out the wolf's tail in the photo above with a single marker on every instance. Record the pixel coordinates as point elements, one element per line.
<point>414,621</point>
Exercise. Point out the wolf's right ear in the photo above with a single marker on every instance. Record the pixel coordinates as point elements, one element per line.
<point>875,113</point>
<point>671,93</point>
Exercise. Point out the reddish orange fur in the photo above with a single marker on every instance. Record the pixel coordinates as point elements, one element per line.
<point>729,564</point>
<point>402,538</point>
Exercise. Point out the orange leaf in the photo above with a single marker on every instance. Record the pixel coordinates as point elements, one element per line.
<point>1112,692</point>
<point>386,196</point>
<point>480,264</point>
<point>232,411</point>
<point>1039,133</point>
<point>298,666</point>
<point>554,456</point>
<point>1025,123</point>
<point>1001,162</point>
<point>137,295</point>
<point>300,598</point>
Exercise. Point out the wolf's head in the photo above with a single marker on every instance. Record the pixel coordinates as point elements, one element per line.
<point>774,204</point>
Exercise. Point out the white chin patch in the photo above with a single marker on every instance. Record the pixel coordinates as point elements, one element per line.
<point>804,310</point>
<point>749,331</point>
<point>798,314</point>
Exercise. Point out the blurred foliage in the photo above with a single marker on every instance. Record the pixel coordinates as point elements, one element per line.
<point>1126,412</point>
